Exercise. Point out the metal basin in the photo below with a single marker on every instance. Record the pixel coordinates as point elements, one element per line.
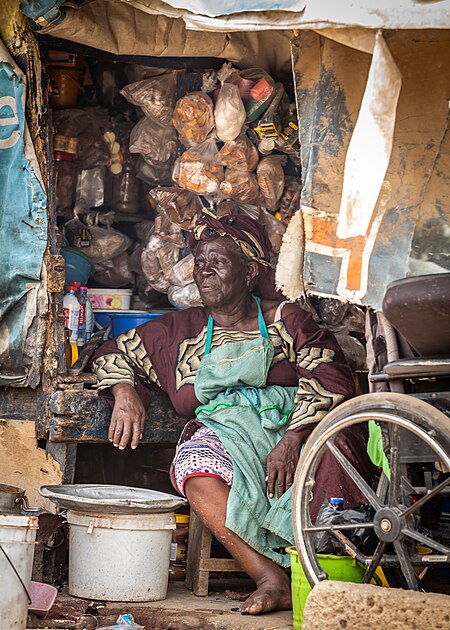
<point>12,499</point>
<point>109,499</point>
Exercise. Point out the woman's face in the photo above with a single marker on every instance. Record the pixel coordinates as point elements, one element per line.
<point>222,273</point>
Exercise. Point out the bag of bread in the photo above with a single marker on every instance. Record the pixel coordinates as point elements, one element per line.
<point>198,171</point>
<point>241,186</point>
<point>194,117</point>
<point>181,206</point>
<point>239,154</point>
<point>270,176</point>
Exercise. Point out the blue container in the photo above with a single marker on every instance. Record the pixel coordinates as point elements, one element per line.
<point>78,266</point>
<point>126,320</point>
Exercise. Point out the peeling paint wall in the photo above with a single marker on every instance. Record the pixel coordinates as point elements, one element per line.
<point>24,464</point>
<point>330,80</point>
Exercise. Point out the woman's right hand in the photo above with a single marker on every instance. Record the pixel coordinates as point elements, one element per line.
<point>128,417</point>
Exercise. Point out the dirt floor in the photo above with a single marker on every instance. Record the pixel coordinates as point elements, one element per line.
<point>180,611</point>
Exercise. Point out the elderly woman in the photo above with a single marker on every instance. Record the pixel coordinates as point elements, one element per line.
<point>258,375</point>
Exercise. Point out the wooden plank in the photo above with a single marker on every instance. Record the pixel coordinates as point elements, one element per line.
<point>19,403</point>
<point>82,416</point>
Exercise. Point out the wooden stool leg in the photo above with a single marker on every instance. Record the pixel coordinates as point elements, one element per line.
<point>199,549</point>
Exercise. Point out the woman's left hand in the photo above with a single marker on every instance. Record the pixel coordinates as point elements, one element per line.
<point>282,461</point>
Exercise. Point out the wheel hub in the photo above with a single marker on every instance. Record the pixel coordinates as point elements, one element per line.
<point>388,524</point>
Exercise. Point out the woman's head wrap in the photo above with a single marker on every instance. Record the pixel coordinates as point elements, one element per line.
<point>250,237</point>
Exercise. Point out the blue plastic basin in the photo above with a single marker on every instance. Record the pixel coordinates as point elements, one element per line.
<point>126,320</point>
<point>78,266</point>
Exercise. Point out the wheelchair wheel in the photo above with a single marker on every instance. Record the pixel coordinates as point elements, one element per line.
<point>417,439</point>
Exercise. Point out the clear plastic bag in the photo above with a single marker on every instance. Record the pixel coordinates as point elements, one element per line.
<point>101,243</point>
<point>125,621</point>
<point>229,113</point>
<point>198,171</point>
<point>162,174</point>
<point>239,154</point>
<point>290,199</point>
<point>90,189</point>
<point>157,144</point>
<point>194,117</point>
<point>274,228</point>
<point>184,297</point>
<point>169,231</point>
<point>168,256</point>
<point>156,96</point>
<point>114,272</point>
<point>241,186</point>
<point>270,176</point>
<point>182,273</point>
<point>181,206</point>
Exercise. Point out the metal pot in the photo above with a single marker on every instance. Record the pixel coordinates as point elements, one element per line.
<point>12,500</point>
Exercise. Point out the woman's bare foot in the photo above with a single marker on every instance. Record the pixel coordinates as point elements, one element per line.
<point>270,595</point>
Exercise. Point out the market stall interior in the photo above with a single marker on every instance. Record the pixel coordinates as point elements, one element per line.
<point>140,151</point>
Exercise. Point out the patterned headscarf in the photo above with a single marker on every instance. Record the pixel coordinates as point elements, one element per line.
<point>250,237</point>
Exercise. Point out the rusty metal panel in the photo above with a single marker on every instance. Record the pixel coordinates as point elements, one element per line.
<point>330,79</point>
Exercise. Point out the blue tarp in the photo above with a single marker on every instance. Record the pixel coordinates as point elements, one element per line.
<point>23,226</point>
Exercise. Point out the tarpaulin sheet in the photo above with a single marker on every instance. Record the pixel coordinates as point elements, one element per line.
<point>23,225</point>
<point>250,15</point>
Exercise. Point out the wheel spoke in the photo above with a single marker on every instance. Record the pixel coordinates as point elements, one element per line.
<point>426,540</point>
<point>337,527</point>
<point>421,502</point>
<point>393,498</point>
<point>375,561</point>
<point>406,566</point>
<point>382,488</point>
<point>354,475</point>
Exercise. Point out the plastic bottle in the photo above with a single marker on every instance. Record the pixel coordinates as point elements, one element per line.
<point>82,299</point>
<point>337,503</point>
<point>71,313</point>
<point>178,551</point>
<point>90,320</point>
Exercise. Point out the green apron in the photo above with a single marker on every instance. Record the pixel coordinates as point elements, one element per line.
<point>250,419</point>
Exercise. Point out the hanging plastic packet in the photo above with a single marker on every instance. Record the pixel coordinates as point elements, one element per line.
<point>156,144</point>
<point>270,176</point>
<point>239,154</point>
<point>114,272</point>
<point>194,117</point>
<point>197,169</point>
<point>182,273</point>
<point>229,113</point>
<point>290,199</point>
<point>181,206</point>
<point>241,186</point>
<point>156,96</point>
<point>184,297</point>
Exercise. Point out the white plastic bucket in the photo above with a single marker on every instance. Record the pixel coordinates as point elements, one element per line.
<point>119,557</point>
<point>17,539</point>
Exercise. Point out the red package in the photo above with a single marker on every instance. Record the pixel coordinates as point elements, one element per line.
<point>261,90</point>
